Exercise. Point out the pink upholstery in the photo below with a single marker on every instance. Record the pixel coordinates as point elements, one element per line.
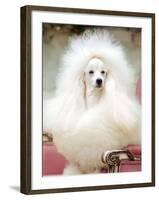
<point>134,149</point>
<point>132,166</point>
<point>53,162</point>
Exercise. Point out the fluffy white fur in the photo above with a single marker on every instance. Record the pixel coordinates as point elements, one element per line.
<point>87,120</point>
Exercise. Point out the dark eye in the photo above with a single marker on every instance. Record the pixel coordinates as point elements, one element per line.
<point>102,72</point>
<point>91,72</point>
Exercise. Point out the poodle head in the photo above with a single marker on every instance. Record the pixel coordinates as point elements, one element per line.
<point>95,74</point>
<point>93,61</point>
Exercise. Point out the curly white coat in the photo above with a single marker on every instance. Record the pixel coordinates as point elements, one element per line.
<point>82,132</point>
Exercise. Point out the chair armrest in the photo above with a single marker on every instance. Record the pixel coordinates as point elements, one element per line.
<point>112,159</point>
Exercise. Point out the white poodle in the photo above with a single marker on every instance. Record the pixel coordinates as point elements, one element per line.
<point>94,108</point>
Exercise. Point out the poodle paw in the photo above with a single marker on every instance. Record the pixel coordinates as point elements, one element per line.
<point>71,170</point>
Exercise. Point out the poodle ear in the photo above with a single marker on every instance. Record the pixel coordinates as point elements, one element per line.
<point>84,88</point>
<point>84,85</point>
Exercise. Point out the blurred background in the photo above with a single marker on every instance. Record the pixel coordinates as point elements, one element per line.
<point>56,38</point>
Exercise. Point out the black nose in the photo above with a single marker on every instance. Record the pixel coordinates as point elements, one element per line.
<point>99,81</point>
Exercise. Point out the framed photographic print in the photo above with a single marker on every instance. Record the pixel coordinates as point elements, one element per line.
<point>87,99</point>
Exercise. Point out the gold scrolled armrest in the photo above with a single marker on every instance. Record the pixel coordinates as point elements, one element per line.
<point>112,159</point>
